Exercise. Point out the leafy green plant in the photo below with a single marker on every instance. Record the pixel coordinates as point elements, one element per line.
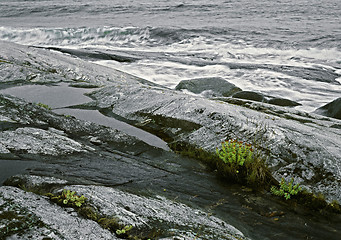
<point>69,198</point>
<point>44,106</point>
<point>239,161</point>
<point>285,189</point>
<point>235,152</point>
<point>124,230</point>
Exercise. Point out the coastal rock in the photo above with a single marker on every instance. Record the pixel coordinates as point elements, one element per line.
<point>92,166</point>
<point>259,97</point>
<point>174,219</point>
<point>210,87</point>
<point>283,102</point>
<point>35,217</point>
<point>36,130</point>
<point>200,122</point>
<point>249,95</point>
<point>39,141</point>
<point>332,109</point>
<point>285,134</point>
<point>299,145</point>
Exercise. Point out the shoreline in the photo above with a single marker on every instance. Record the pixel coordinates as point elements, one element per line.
<point>84,153</point>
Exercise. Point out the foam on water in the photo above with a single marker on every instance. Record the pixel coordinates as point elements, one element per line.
<point>191,39</point>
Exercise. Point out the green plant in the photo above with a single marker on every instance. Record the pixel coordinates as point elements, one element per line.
<point>69,198</point>
<point>124,230</point>
<point>285,189</point>
<point>44,106</point>
<point>235,152</point>
<point>240,162</point>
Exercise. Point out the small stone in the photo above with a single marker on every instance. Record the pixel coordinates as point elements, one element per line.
<point>95,141</point>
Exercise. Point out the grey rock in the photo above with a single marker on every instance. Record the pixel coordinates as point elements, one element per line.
<point>52,220</point>
<point>210,87</point>
<point>300,145</point>
<point>39,141</point>
<point>142,211</point>
<point>27,65</point>
<point>259,97</point>
<point>332,109</point>
<point>283,102</point>
<point>35,130</point>
<point>129,209</point>
<point>249,95</point>
<point>286,134</point>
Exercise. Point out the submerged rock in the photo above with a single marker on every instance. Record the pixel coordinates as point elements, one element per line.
<point>210,87</point>
<point>332,109</point>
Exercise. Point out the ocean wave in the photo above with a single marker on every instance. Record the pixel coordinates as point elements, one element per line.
<point>85,36</point>
<point>75,36</point>
<point>205,44</point>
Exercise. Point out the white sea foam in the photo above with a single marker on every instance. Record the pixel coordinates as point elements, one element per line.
<point>168,63</point>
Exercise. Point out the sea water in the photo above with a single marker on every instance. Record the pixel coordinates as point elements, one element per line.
<point>287,48</point>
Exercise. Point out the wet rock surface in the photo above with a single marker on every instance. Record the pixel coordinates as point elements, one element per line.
<point>259,97</point>
<point>210,87</point>
<point>50,221</point>
<point>249,95</point>
<point>332,109</point>
<point>283,102</point>
<point>218,87</point>
<point>150,184</point>
<point>285,135</point>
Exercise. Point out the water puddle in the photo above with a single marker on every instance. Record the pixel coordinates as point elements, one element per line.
<point>55,96</point>
<point>96,117</point>
<point>13,167</point>
<point>60,96</point>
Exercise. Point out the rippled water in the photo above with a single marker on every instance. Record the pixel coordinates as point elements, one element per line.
<point>281,48</point>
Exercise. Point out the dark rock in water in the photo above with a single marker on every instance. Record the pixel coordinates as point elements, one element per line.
<point>258,97</point>
<point>213,87</point>
<point>332,109</point>
<point>249,95</point>
<point>96,55</point>
<point>283,102</point>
